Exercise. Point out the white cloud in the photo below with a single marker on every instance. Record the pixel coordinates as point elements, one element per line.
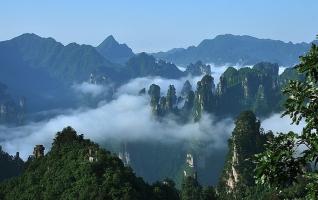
<point>278,124</point>
<point>128,117</point>
<point>135,85</point>
<point>87,88</point>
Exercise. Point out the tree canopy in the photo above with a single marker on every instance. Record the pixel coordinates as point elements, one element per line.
<point>291,159</point>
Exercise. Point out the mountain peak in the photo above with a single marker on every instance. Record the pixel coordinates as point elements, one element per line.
<point>108,42</point>
<point>110,37</point>
<point>114,51</point>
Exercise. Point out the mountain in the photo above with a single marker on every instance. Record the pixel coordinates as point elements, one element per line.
<point>204,100</point>
<point>42,69</point>
<point>113,51</point>
<point>197,69</point>
<point>72,62</point>
<point>75,168</point>
<point>143,65</point>
<point>255,88</point>
<point>246,141</point>
<point>258,89</point>
<point>235,49</point>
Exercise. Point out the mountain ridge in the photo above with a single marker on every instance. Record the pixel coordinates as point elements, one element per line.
<point>233,49</point>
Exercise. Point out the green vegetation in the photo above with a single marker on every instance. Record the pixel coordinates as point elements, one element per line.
<point>246,141</point>
<point>291,159</point>
<point>76,168</point>
<point>192,190</point>
<point>204,99</point>
<point>257,89</point>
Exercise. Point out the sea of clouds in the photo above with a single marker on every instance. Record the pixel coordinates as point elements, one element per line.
<point>126,117</point>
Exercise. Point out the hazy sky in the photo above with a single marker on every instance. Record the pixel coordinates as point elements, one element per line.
<point>147,25</point>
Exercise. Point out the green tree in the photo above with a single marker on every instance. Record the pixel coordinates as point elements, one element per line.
<point>208,193</point>
<point>165,190</point>
<point>287,157</point>
<point>76,168</point>
<point>190,189</point>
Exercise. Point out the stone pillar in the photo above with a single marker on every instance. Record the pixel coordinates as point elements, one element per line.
<point>38,151</point>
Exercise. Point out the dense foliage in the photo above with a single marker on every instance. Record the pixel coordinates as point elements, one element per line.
<point>192,190</point>
<point>246,141</point>
<point>76,168</point>
<point>288,158</point>
<point>67,172</point>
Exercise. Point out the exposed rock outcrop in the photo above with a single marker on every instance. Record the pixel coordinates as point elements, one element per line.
<point>246,141</point>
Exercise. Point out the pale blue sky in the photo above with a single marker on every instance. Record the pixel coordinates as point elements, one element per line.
<point>149,25</point>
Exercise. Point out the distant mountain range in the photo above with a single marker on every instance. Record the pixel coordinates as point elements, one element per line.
<point>43,70</point>
<point>235,49</point>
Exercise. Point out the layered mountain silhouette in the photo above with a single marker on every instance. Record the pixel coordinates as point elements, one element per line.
<point>43,70</point>
<point>235,49</point>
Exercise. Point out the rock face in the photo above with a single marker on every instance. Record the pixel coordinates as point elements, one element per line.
<point>190,169</point>
<point>162,105</point>
<point>204,99</point>
<point>171,99</point>
<point>257,89</point>
<point>186,88</point>
<point>246,141</point>
<point>198,69</point>
<point>154,93</point>
<point>38,151</point>
<point>124,155</point>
